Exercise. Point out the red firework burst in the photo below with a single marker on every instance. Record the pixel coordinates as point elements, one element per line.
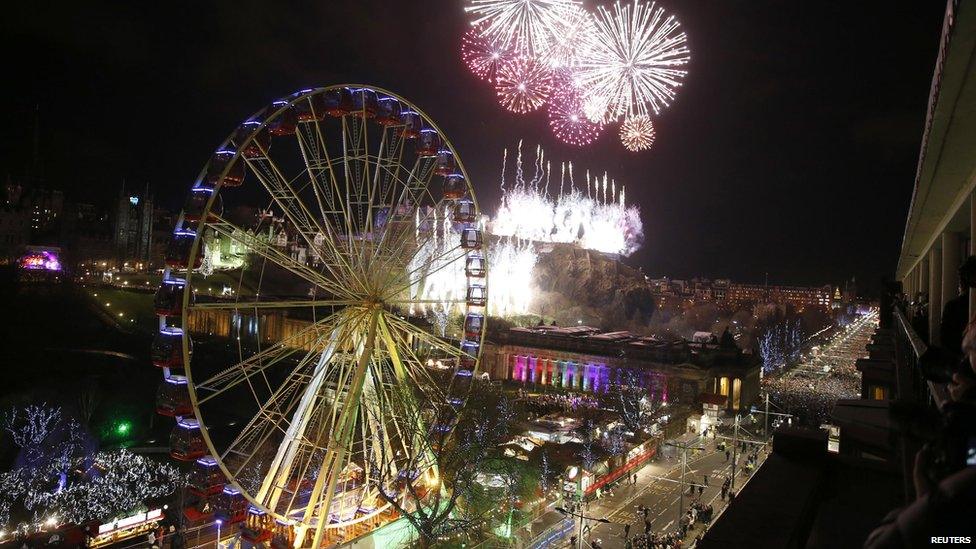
<point>483,54</point>
<point>567,119</point>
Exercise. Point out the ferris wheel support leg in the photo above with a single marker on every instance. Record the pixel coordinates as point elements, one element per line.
<point>339,442</point>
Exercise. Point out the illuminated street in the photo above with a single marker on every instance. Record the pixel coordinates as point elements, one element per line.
<point>663,497</point>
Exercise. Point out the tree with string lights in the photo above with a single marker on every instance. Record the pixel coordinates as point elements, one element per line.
<point>58,477</point>
<point>780,343</point>
<point>584,433</point>
<point>630,400</point>
<point>48,440</point>
<point>545,472</point>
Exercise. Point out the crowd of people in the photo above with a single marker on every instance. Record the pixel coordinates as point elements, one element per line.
<point>542,404</point>
<point>698,512</point>
<point>810,400</point>
<point>656,541</point>
<point>944,469</point>
<point>810,390</point>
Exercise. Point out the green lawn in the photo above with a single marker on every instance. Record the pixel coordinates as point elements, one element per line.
<point>214,283</point>
<point>127,307</point>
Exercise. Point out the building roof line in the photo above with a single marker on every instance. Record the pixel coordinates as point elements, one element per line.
<point>948,26</point>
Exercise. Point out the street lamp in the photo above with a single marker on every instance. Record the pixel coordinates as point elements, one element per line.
<point>219,522</point>
<point>582,518</point>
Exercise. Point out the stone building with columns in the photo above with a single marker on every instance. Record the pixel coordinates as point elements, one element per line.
<point>585,359</point>
<point>941,227</point>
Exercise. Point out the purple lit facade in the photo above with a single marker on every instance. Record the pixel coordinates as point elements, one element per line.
<point>579,375</point>
<point>43,260</point>
<point>586,360</point>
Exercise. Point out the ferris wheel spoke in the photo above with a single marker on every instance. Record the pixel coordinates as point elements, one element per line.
<point>407,235</point>
<point>272,415</point>
<point>244,305</point>
<point>307,338</point>
<point>353,159</point>
<point>327,420</point>
<point>306,224</point>
<point>289,452</point>
<point>418,301</point>
<point>316,156</point>
<point>403,228</point>
<point>388,164</point>
<point>396,258</point>
<point>319,167</point>
<point>316,406</point>
<point>451,351</point>
<point>411,196</point>
<point>359,188</point>
<point>386,175</point>
<point>276,256</point>
<point>434,215</point>
<point>338,437</point>
<point>332,191</point>
<point>282,194</point>
<point>448,258</point>
<point>384,410</point>
<point>408,367</point>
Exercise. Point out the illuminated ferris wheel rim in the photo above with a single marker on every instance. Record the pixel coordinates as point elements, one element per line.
<point>373,304</point>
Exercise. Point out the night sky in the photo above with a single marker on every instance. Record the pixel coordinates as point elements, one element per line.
<point>791,149</point>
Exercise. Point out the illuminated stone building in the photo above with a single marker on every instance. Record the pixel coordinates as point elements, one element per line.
<point>797,296</point>
<point>584,359</point>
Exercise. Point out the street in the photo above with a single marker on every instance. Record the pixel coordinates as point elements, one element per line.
<point>663,497</point>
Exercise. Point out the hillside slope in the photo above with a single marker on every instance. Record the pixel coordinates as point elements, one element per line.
<point>575,285</point>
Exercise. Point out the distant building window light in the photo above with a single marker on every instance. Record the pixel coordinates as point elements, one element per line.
<point>134,200</point>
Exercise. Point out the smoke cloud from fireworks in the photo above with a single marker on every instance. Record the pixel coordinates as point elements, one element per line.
<point>592,214</point>
<point>595,219</point>
<point>440,277</point>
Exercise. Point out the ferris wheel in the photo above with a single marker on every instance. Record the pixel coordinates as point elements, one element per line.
<point>303,353</point>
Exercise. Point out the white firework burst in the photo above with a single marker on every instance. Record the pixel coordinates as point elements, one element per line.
<point>637,133</point>
<point>574,31</point>
<point>633,61</point>
<point>529,27</point>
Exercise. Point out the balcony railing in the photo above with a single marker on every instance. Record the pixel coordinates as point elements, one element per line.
<point>911,350</point>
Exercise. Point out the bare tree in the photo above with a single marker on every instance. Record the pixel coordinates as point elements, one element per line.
<point>584,432</point>
<point>88,401</point>
<point>431,464</point>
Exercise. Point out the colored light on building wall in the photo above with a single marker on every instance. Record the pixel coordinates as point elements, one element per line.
<point>40,261</point>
